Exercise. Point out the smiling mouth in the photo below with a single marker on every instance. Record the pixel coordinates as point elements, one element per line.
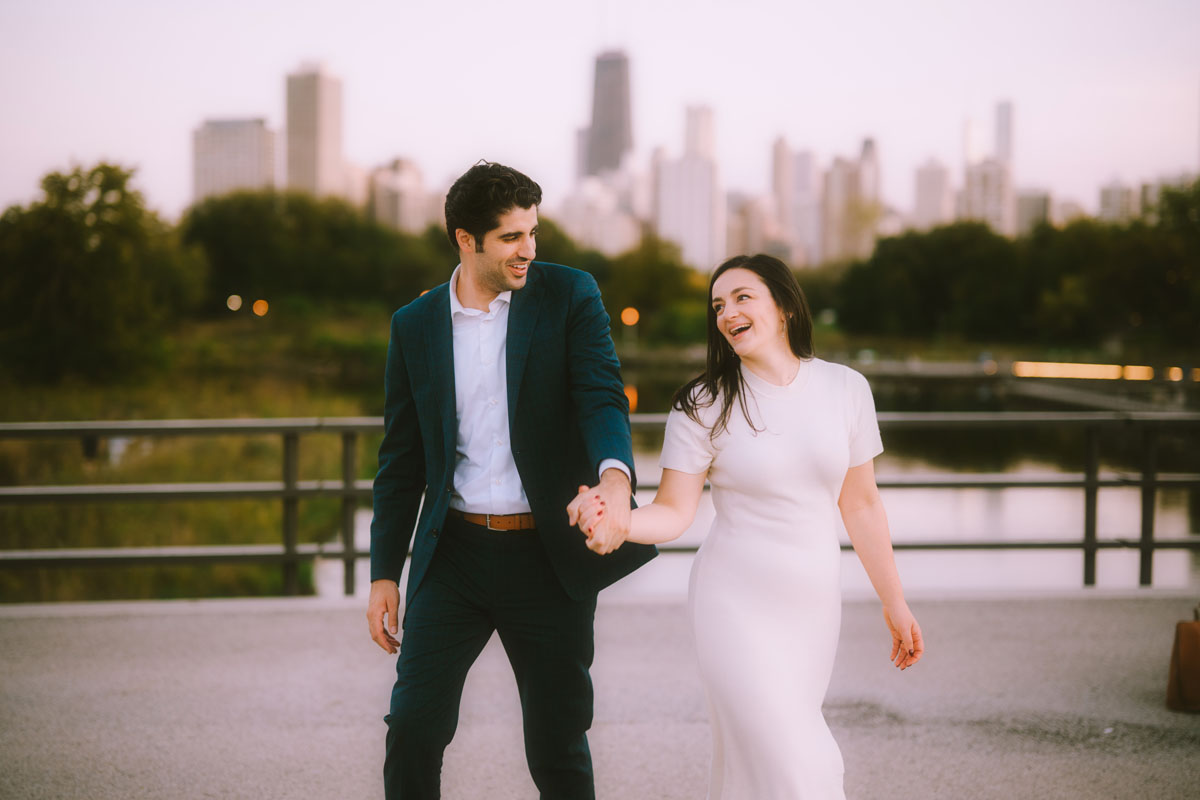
<point>738,330</point>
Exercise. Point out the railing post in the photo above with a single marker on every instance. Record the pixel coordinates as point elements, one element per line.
<point>1091,478</point>
<point>1149,475</point>
<point>291,509</point>
<point>349,505</point>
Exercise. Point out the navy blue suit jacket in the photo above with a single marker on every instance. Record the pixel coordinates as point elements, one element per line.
<point>567,412</point>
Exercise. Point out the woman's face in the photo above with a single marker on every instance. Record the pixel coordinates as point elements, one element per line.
<point>746,313</point>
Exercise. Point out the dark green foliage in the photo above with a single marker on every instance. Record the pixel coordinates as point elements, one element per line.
<point>89,279</point>
<point>273,245</point>
<point>652,279</point>
<point>1131,286</point>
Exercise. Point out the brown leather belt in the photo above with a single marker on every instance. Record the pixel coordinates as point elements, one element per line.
<point>497,522</point>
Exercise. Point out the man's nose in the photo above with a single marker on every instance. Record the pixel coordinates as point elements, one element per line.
<point>528,249</point>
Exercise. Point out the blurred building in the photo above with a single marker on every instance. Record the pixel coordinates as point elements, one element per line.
<point>753,227</point>
<point>610,137</point>
<point>1118,202</point>
<point>1033,209</point>
<point>851,206</point>
<point>232,154</point>
<point>689,207</point>
<point>597,215</point>
<point>988,196</point>
<point>1150,193</point>
<point>1064,212</point>
<point>935,199</point>
<point>795,187</point>
<point>1004,133</point>
<point>397,197</point>
<point>314,132</point>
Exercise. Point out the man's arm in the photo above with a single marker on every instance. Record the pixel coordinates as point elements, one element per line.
<point>598,393</point>
<point>397,495</point>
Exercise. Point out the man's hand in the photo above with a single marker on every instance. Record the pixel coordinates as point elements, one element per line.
<point>384,601</point>
<point>612,527</point>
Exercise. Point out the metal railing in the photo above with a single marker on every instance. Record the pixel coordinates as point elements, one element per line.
<point>1147,427</point>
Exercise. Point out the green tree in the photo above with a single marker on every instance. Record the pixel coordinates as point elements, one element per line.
<point>669,297</point>
<point>957,280</point>
<point>277,245</point>
<point>89,278</point>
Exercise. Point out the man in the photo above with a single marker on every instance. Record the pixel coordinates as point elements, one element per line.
<point>503,396</point>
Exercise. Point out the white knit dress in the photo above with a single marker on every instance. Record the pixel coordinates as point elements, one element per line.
<point>765,595</point>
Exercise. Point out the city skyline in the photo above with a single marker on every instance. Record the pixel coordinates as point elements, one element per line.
<point>1118,97</point>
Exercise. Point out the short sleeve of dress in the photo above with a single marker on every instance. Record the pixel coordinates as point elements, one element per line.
<point>686,445</point>
<point>865,442</point>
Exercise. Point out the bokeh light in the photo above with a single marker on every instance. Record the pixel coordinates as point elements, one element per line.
<point>233,302</point>
<point>259,308</point>
<point>630,316</point>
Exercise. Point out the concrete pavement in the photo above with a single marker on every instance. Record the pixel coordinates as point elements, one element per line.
<point>1047,696</point>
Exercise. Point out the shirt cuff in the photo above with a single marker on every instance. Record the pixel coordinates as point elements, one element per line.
<point>615,463</point>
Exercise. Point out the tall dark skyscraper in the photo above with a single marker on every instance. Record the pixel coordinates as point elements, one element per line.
<point>611,134</point>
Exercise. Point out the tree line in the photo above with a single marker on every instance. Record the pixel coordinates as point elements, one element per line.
<point>1129,286</point>
<point>92,281</point>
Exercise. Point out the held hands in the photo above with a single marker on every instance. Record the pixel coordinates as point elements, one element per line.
<point>384,601</point>
<point>907,644</point>
<point>602,512</point>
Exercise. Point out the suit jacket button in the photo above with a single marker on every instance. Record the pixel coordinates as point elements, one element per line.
<point>434,533</point>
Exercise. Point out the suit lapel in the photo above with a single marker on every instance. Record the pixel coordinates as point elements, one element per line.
<point>439,344</point>
<point>522,319</point>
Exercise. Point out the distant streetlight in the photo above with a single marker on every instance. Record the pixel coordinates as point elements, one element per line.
<point>259,308</point>
<point>629,318</point>
<point>233,302</point>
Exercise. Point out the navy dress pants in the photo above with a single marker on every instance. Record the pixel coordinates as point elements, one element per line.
<point>482,581</point>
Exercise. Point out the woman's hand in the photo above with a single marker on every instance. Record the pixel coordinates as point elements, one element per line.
<point>907,644</point>
<point>586,511</point>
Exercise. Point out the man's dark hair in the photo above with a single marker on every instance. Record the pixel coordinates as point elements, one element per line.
<point>484,192</point>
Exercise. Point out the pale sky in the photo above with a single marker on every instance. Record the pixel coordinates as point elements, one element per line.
<point>1101,89</point>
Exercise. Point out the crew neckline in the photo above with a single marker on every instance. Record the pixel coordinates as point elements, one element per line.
<point>761,385</point>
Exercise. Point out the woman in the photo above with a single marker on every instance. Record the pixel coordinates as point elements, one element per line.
<point>784,438</point>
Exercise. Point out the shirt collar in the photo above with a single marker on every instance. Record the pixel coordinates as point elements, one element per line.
<point>456,306</point>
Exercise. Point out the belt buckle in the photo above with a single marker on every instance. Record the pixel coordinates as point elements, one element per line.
<point>487,523</point>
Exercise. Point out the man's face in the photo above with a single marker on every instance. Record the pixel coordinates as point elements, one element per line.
<point>503,262</point>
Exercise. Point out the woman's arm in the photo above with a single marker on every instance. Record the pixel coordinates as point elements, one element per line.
<point>666,518</point>
<point>866,522</point>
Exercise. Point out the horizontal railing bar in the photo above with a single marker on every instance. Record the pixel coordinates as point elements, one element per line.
<point>190,427</point>
<point>128,492</point>
<point>1003,480</point>
<point>1066,544</point>
<point>274,554</point>
<point>185,427</point>
<point>133,556</point>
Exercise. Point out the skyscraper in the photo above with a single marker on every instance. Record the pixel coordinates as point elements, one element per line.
<point>397,197</point>
<point>610,136</point>
<point>232,154</point>
<point>851,206</point>
<point>1004,133</point>
<point>1118,202</point>
<point>689,204</point>
<point>988,196</point>
<point>797,193</point>
<point>935,201</point>
<point>1033,209</point>
<point>314,132</point>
